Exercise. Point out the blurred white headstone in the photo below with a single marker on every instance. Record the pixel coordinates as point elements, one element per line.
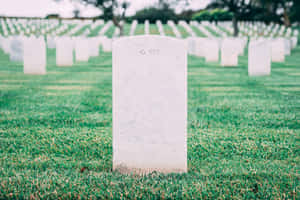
<point>211,50</point>
<point>106,44</point>
<point>94,46</point>
<point>34,56</point>
<point>82,51</point>
<point>287,46</point>
<point>64,51</point>
<point>259,59</point>
<point>147,28</point>
<point>51,43</point>
<point>199,46</point>
<point>149,105</point>
<point>278,50</point>
<point>229,52</point>
<point>16,49</point>
<point>294,41</point>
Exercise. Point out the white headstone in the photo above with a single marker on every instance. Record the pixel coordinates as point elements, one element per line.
<point>259,59</point>
<point>82,50</point>
<point>287,46</point>
<point>64,51</point>
<point>51,43</point>
<point>278,50</point>
<point>211,50</point>
<point>149,105</point>
<point>147,27</point>
<point>191,41</point>
<point>106,44</point>
<point>94,46</point>
<point>16,49</point>
<point>229,52</point>
<point>294,42</point>
<point>199,46</point>
<point>34,56</point>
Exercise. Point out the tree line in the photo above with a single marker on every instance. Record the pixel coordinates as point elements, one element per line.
<point>279,11</point>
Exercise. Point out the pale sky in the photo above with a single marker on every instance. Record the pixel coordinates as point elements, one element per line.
<point>40,8</point>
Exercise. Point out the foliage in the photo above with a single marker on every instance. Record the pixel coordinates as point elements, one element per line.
<point>213,15</point>
<point>153,14</point>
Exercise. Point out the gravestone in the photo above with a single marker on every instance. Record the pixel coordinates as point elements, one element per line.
<point>211,50</point>
<point>199,46</point>
<point>94,46</point>
<point>278,50</point>
<point>82,51</point>
<point>51,43</point>
<point>287,46</point>
<point>106,43</point>
<point>64,51</point>
<point>229,52</point>
<point>147,27</point>
<point>259,58</point>
<point>294,42</point>
<point>16,49</point>
<point>191,42</point>
<point>149,105</point>
<point>34,55</point>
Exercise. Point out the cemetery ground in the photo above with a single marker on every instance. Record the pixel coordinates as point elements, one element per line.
<point>56,134</point>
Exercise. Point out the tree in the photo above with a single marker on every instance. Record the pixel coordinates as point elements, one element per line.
<point>238,8</point>
<point>213,15</point>
<point>153,14</point>
<point>109,9</point>
<point>282,8</point>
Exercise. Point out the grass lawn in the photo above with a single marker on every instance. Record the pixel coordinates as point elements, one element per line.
<point>56,134</point>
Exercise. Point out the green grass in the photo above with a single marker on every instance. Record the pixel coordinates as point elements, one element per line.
<point>243,134</point>
<point>183,32</point>
<point>213,32</point>
<point>127,29</point>
<point>95,32</point>
<point>110,32</point>
<point>224,30</point>
<point>168,30</point>
<point>70,27</point>
<point>153,29</point>
<point>140,29</point>
<point>80,31</point>
<point>197,31</point>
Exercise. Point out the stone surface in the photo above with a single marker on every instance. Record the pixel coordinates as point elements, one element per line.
<point>94,44</point>
<point>16,49</point>
<point>64,51</point>
<point>259,58</point>
<point>51,42</point>
<point>106,44</point>
<point>34,56</point>
<point>211,51</point>
<point>82,50</point>
<point>149,105</point>
<point>229,52</point>
<point>287,46</point>
<point>278,50</point>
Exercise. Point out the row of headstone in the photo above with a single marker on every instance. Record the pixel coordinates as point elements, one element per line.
<point>160,28</point>
<point>19,50</point>
<point>202,29</point>
<point>147,28</point>
<point>40,27</point>
<point>133,27</point>
<point>187,28</point>
<point>174,28</point>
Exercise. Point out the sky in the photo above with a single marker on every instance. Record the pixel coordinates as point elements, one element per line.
<point>40,8</point>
